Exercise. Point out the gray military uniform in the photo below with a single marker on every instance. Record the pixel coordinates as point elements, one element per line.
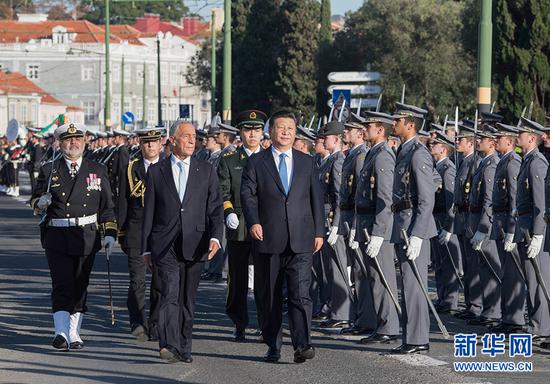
<point>470,262</point>
<point>480,219</point>
<point>530,219</point>
<point>446,280</point>
<point>504,203</point>
<point>373,199</point>
<point>413,203</point>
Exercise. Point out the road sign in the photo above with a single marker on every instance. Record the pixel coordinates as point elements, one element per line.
<point>337,93</point>
<point>128,117</point>
<point>347,77</point>
<point>358,89</point>
<point>365,103</point>
<point>185,111</point>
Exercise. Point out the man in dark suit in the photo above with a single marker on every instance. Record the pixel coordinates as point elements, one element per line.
<point>182,227</point>
<point>283,208</point>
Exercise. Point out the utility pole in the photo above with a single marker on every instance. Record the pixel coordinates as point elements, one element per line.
<point>107,109</point>
<point>144,101</point>
<point>122,111</point>
<point>227,62</point>
<point>213,65</point>
<point>485,51</point>
<point>159,104</point>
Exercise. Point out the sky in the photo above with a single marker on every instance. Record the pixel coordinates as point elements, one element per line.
<point>339,7</point>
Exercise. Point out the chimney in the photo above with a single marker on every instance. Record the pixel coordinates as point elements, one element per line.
<point>150,22</point>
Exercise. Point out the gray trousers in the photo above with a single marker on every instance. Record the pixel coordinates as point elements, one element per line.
<point>448,288</point>
<point>387,320</point>
<point>416,316</point>
<point>490,288</point>
<point>513,290</point>
<point>472,283</point>
<point>365,310</point>
<point>539,311</point>
<point>341,307</point>
<point>320,283</point>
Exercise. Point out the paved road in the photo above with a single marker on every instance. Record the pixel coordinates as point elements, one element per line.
<point>111,355</point>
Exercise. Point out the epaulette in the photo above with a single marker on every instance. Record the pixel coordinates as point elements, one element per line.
<point>362,156</point>
<point>229,153</point>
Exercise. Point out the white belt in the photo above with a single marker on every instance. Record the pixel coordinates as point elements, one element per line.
<point>74,221</point>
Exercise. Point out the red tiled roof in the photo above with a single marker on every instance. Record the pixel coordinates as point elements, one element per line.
<point>150,24</point>
<point>126,32</point>
<point>49,99</point>
<point>17,83</point>
<point>71,108</point>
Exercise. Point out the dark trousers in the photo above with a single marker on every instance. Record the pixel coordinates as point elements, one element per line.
<point>31,177</point>
<point>270,270</point>
<point>320,284</point>
<point>236,307</point>
<point>179,284</point>
<point>70,278</point>
<point>137,291</point>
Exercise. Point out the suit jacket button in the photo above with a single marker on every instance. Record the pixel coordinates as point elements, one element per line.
<point>68,204</point>
<point>181,210</point>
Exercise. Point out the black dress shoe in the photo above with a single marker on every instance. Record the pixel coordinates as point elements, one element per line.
<point>303,354</point>
<point>77,345</point>
<point>444,309</point>
<point>484,321</point>
<point>466,315</point>
<point>239,335</point>
<point>170,354</point>
<point>408,349</point>
<point>356,331</point>
<point>139,332</point>
<point>545,345</point>
<point>333,324</point>
<point>506,328</point>
<point>321,316</point>
<point>377,338</point>
<point>272,355</point>
<point>59,342</point>
<point>186,358</point>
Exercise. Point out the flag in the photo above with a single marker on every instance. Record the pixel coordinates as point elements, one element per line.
<point>59,120</point>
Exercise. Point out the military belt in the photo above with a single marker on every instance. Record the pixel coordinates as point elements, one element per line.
<point>366,210</point>
<point>475,209</point>
<point>501,209</point>
<point>73,221</point>
<point>402,205</point>
<point>461,208</point>
<point>347,207</point>
<point>524,212</point>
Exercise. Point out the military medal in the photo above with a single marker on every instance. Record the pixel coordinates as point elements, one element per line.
<point>350,182</point>
<point>94,182</point>
<point>503,184</point>
<point>327,177</point>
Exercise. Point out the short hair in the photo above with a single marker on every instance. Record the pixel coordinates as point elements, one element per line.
<point>416,121</point>
<point>176,124</point>
<point>283,113</point>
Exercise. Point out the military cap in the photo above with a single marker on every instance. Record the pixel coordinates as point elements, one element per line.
<point>32,129</point>
<point>378,117</point>
<point>110,133</point>
<point>423,133</point>
<point>102,135</point>
<point>92,134</point>
<point>69,130</point>
<point>487,132</point>
<point>201,133</point>
<point>465,131</point>
<point>467,123</point>
<point>226,128</point>
<point>490,117</point>
<point>441,138</point>
<point>250,119</point>
<point>531,126</point>
<point>304,134</point>
<point>506,130</point>
<point>437,127</point>
<point>547,121</point>
<point>404,110</point>
<point>120,132</point>
<point>332,128</point>
<point>149,134</point>
<point>355,121</point>
<point>266,136</point>
<point>38,135</point>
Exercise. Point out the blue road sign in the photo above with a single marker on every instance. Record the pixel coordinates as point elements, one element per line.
<point>185,110</point>
<point>338,93</point>
<point>128,117</point>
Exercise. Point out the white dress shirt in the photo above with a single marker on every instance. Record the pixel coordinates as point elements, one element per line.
<point>147,163</point>
<point>288,161</point>
<point>69,162</point>
<point>249,152</point>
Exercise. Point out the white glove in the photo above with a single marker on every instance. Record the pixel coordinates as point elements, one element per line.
<point>444,237</point>
<point>332,235</point>
<point>232,221</point>
<point>373,247</point>
<point>413,250</point>
<point>534,246</point>
<point>108,243</point>
<point>351,241</point>
<point>477,240</point>
<point>44,201</point>
<point>509,244</point>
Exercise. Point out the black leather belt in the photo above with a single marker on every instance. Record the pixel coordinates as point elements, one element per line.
<point>347,207</point>
<point>401,206</point>
<point>501,209</point>
<point>474,209</point>
<point>366,210</point>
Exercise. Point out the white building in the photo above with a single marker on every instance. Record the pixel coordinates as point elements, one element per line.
<point>67,60</point>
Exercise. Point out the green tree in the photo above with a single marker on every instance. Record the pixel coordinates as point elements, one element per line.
<point>418,44</point>
<point>127,12</point>
<point>297,70</point>
<point>522,51</point>
<point>324,63</point>
<point>10,8</point>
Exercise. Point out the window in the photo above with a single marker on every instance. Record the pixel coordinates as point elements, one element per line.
<point>89,110</point>
<point>151,75</point>
<point>151,113</point>
<point>34,113</point>
<point>87,73</point>
<point>139,74</point>
<point>174,74</point>
<point>23,111</point>
<point>173,112</point>
<point>115,73</point>
<point>32,71</point>
<point>127,72</point>
<point>164,73</point>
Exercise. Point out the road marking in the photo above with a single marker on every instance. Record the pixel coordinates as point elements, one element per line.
<point>419,360</point>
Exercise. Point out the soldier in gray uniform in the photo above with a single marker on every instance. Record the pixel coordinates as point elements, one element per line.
<point>465,144</point>
<point>480,227</point>
<point>504,225</point>
<point>340,300</point>
<point>365,316</point>
<point>373,199</point>
<point>446,246</point>
<point>531,226</point>
<point>413,203</point>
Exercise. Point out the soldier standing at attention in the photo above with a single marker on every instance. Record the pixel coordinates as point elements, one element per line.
<point>76,195</point>
<point>239,246</point>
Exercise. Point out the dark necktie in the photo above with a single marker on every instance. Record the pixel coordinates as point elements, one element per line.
<point>72,171</point>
